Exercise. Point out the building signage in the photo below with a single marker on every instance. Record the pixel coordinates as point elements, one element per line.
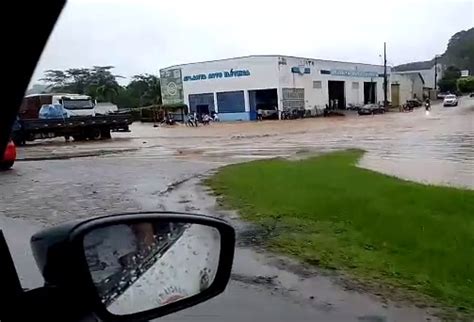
<point>301,70</point>
<point>353,73</point>
<point>171,86</point>
<point>224,74</point>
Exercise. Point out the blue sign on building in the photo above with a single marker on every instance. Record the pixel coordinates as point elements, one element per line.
<point>301,70</point>
<point>354,73</point>
<point>225,74</point>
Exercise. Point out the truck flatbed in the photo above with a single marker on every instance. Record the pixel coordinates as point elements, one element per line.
<point>79,127</point>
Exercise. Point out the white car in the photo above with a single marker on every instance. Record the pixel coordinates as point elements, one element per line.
<point>450,100</point>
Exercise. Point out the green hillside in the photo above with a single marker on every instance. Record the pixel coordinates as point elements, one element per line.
<point>459,53</point>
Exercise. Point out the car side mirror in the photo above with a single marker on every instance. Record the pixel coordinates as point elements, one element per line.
<point>136,267</point>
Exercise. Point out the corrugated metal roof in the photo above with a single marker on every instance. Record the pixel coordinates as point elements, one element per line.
<point>269,56</point>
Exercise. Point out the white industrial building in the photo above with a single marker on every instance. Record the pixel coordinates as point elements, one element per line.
<point>406,86</point>
<point>428,71</point>
<point>237,87</point>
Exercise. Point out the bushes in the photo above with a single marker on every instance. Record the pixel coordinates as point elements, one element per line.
<point>466,84</point>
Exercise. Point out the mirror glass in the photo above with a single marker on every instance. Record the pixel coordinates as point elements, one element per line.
<point>141,266</point>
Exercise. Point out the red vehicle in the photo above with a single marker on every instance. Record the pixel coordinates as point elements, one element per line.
<point>6,162</point>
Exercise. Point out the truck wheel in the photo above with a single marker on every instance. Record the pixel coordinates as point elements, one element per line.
<point>94,134</point>
<point>18,139</point>
<point>105,133</point>
<point>6,165</point>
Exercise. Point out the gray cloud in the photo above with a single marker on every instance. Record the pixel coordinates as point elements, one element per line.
<point>142,36</point>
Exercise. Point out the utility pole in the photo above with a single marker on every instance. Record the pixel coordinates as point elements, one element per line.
<point>385,101</point>
<point>436,72</point>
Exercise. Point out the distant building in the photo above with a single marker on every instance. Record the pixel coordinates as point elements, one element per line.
<point>238,88</point>
<point>465,73</point>
<point>406,86</point>
<point>427,71</point>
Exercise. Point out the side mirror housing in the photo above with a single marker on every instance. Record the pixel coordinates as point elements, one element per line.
<point>137,266</point>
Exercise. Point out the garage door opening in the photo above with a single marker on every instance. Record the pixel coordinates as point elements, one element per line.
<point>264,101</point>
<point>337,97</point>
<point>202,109</point>
<point>370,91</point>
<point>201,103</point>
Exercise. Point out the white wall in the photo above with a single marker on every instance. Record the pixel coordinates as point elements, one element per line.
<point>428,75</point>
<point>275,72</point>
<point>405,86</point>
<point>320,97</point>
<point>411,85</point>
<point>263,74</point>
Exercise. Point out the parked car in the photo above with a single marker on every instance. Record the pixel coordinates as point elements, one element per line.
<point>450,100</point>
<point>9,157</point>
<point>370,109</point>
<point>471,95</point>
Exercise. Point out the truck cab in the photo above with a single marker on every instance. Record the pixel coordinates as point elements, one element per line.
<point>73,104</point>
<point>76,105</point>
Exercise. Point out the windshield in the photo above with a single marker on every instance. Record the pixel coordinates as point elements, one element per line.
<point>317,128</point>
<point>77,104</point>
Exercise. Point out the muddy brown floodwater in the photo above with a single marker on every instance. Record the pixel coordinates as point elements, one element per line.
<point>437,148</point>
<point>160,168</point>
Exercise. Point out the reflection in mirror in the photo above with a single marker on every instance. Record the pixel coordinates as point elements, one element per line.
<point>141,266</point>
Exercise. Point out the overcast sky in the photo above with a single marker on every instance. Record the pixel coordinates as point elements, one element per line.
<point>142,36</point>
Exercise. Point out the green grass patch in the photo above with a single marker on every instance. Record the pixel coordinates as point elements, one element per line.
<point>325,210</point>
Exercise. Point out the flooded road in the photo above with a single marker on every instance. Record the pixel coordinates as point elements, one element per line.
<point>437,148</point>
<point>160,168</point>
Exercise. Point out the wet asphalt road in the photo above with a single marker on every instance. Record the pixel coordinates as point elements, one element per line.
<point>45,192</point>
<point>262,287</point>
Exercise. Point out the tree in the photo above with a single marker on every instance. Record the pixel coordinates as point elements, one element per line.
<point>106,93</point>
<point>98,81</point>
<point>460,50</point>
<point>466,84</point>
<point>55,78</point>
<point>143,90</point>
<point>459,53</point>
<point>450,78</point>
<point>146,88</point>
